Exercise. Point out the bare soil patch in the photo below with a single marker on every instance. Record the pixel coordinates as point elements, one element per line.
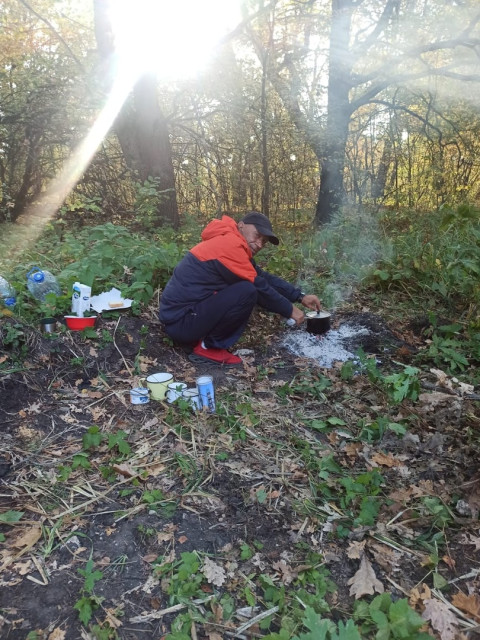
<point>235,485</point>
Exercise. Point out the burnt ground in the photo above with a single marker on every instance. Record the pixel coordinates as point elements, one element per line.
<point>100,485</point>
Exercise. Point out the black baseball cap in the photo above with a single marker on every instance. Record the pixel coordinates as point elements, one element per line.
<point>262,225</point>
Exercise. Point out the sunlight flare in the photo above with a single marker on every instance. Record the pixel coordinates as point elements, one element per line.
<point>172,40</point>
<point>44,209</point>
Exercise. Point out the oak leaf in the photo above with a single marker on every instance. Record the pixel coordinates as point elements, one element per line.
<point>470,604</point>
<point>365,582</point>
<point>440,618</point>
<point>356,549</point>
<point>285,571</point>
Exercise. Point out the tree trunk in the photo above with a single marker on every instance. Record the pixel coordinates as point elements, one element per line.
<point>332,160</point>
<point>263,121</point>
<point>141,127</point>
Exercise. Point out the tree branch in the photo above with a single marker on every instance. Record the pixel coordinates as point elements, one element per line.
<point>53,30</point>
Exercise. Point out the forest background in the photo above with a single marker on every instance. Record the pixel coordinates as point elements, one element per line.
<point>303,103</point>
<point>304,110</point>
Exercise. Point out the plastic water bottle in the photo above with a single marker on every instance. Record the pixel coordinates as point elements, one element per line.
<point>41,282</point>
<point>7,293</point>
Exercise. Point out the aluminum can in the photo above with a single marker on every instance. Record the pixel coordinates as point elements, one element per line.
<point>207,392</point>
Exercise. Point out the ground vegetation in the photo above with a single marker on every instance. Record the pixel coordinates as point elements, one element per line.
<point>338,502</point>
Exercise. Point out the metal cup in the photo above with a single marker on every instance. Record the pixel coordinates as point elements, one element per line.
<point>175,390</point>
<point>48,325</point>
<point>193,398</point>
<point>139,395</point>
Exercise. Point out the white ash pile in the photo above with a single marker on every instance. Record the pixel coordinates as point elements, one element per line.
<point>326,349</point>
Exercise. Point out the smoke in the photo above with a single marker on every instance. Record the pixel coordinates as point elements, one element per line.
<point>340,255</point>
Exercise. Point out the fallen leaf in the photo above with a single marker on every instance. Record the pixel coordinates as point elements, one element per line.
<point>417,596</point>
<point>401,495</point>
<point>149,558</point>
<point>365,582</point>
<point>28,537</point>
<point>430,401</point>
<point>124,470</point>
<point>182,539</point>
<point>150,423</point>
<point>450,562</point>
<point>424,488</point>
<point>469,539</point>
<point>97,412</point>
<point>287,575</point>
<point>163,536</point>
<point>441,618</point>
<point>57,634</point>
<point>470,604</point>
<point>385,459</point>
<point>112,619</point>
<point>93,394</point>
<point>356,549</point>
<point>23,568</point>
<point>352,449</point>
<point>385,556</point>
<point>214,573</point>
<point>217,610</point>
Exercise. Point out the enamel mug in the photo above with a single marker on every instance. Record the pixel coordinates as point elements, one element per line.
<point>158,383</point>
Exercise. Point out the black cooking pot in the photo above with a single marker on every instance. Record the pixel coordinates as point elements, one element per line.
<point>318,323</point>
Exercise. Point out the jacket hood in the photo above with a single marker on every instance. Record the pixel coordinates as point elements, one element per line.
<point>220,227</point>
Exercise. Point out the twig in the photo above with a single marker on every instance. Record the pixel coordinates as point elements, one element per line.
<point>252,621</point>
<point>472,574</point>
<point>40,571</point>
<point>397,546</point>
<point>397,586</point>
<point>448,391</point>
<point>156,615</point>
<point>116,347</point>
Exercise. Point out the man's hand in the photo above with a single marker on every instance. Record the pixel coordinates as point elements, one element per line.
<point>297,315</point>
<point>311,302</point>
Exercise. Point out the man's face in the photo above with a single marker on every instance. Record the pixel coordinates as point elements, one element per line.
<point>255,240</point>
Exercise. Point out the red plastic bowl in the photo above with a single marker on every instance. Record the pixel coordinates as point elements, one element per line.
<point>77,324</point>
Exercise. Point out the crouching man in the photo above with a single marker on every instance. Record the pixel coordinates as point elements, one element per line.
<point>214,288</point>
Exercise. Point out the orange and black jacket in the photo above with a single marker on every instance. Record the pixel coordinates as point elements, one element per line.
<point>221,259</point>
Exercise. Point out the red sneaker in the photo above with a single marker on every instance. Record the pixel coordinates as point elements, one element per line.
<point>218,356</point>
